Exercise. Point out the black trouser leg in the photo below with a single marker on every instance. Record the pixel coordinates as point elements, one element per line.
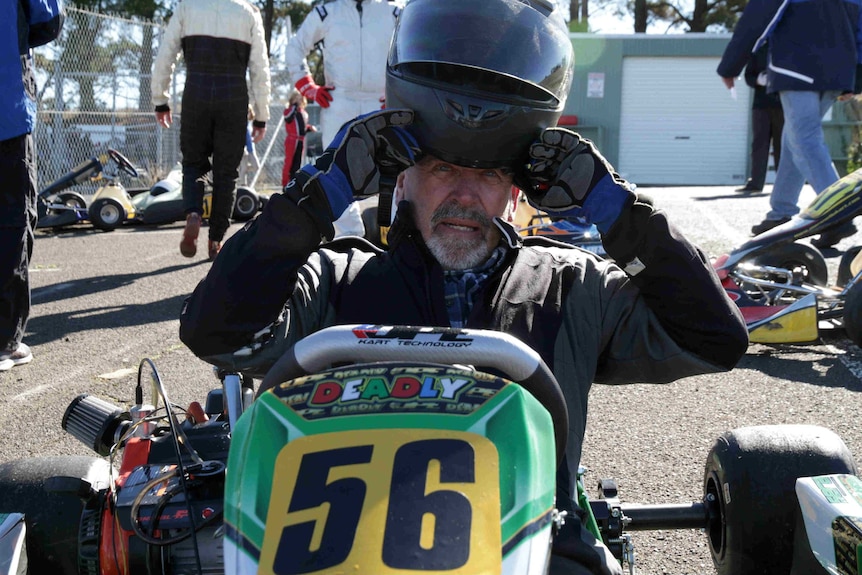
<point>215,115</point>
<point>228,145</point>
<point>759,146</point>
<point>196,145</point>
<point>18,218</point>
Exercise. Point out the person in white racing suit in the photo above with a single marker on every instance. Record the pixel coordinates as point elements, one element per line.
<point>220,41</point>
<point>354,36</point>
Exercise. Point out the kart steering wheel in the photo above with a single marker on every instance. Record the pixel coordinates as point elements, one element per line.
<point>486,348</point>
<point>123,163</point>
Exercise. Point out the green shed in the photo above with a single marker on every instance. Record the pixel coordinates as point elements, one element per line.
<point>657,109</point>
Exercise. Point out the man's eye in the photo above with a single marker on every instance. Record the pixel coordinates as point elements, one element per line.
<point>499,176</point>
<point>442,169</point>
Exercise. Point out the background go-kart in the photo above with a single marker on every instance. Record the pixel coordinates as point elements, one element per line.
<point>101,302</point>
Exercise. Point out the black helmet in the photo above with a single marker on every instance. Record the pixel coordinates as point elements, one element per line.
<point>484,77</point>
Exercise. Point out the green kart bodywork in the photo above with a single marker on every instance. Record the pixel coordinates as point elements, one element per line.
<point>317,464</point>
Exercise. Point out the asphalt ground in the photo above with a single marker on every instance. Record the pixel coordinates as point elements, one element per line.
<point>104,301</point>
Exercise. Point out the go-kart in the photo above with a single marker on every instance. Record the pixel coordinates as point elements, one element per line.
<point>163,203</point>
<point>573,230</point>
<point>110,205</point>
<point>570,230</point>
<point>782,285</point>
<point>113,205</point>
<point>384,450</point>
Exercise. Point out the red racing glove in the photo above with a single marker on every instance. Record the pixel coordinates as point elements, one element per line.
<point>313,92</point>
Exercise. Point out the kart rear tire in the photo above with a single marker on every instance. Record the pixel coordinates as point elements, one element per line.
<point>71,199</point>
<point>107,214</point>
<point>797,255</point>
<point>246,205</point>
<point>751,475</point>
<point>853,314</point>
<point>844,273</point>
<point>52,519</point>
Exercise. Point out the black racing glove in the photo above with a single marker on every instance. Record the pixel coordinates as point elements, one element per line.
<point>352,164</point>
<point>567,176</point>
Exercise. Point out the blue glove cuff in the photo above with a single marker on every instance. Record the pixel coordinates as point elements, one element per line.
<point>605,203</point>
<point>334,184</point>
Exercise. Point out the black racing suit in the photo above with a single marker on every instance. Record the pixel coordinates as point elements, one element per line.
<point>220,40</point>
<point>589,320</point>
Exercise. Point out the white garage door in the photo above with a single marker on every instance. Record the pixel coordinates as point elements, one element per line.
<point>679,124</point>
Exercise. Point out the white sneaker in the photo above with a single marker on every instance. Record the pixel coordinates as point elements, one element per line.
<point>19,356</point>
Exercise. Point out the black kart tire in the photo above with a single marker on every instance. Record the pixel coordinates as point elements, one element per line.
<point>751,475</point>
<point>797,255</point>
<point>71,199</point>
<point>107,214</point>
<point>844,273</point>
<point>853,314</point>
<point>246,205</point>
<point>52,519</point>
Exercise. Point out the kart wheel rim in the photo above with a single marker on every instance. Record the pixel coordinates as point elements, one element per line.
<point>109,214</point>
<point>244,205</point>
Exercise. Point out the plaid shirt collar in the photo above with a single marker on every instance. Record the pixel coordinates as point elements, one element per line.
<point>462,286</point>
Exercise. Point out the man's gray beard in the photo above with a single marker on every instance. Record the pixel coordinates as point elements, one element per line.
<point>460,253</point>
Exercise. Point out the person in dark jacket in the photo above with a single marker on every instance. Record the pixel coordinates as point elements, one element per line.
<point>814,49</point>
<point>454,259</point>
<point>767,122</point>
<point>24,25</point>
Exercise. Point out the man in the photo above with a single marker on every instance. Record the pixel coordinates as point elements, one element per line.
<point>453,258</point>
<point>24,25</point>
<point>220,40</point>
<point>354,38</point>
<point>814,48</point>
<point>767,122</point>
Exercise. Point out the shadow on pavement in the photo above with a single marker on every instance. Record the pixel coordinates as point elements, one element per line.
<point>794,363</point>
<point>43,328</point>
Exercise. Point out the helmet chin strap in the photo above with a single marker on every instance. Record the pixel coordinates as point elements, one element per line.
<point>385,198</point>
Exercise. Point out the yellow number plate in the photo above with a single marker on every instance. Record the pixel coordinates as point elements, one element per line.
<point>381,502</point>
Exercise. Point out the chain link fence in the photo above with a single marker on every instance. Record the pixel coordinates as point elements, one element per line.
<point>95,93</point>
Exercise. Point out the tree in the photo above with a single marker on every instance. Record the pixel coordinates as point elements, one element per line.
<point>82,52</point>
<point>146,10</point>
<point>641,16</point>
<point>578,15</point>
<point>276,12</point>
<point>87,48</point>
<point>705,16</point>
<point>580,12</point>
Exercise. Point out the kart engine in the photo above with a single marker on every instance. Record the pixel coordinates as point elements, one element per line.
<point>164,511</point>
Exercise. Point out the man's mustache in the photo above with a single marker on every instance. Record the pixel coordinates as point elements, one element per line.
<point>452,210</point>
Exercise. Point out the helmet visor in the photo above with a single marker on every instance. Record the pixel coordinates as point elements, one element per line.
<point>507,37</point>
